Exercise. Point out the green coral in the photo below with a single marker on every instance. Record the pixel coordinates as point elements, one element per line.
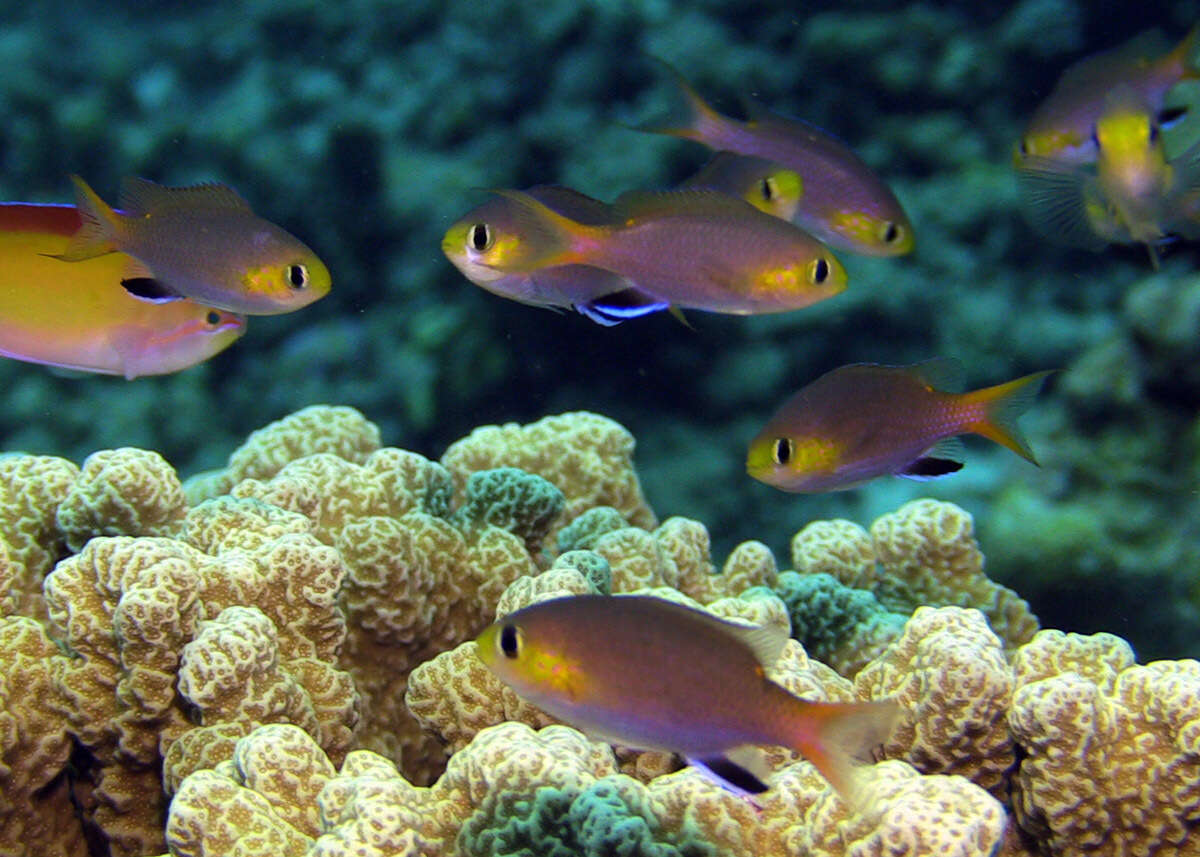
<point>507,497</point>
<point>586,530</point>
<point>837,624</point>
<point>611,817</point>
<point>591,565</point>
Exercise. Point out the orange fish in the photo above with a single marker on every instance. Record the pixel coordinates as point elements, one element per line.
<point>80,316</point>
<point>651,674</point>
<point>864,420</point>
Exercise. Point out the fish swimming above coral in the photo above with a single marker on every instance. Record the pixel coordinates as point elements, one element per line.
<point>655,675</point>
<point>864,420</point>
<point>201,242</point>
<point>1061,128</point>
<point>647,251</point>
<point>80,317</point>
<point>1131,194</point>
<point>844,203</point>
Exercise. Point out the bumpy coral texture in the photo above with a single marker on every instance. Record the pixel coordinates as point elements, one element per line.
<point>948,672</point>
<point>129,492</point>
<point>128,608</point>
<point>1112,764</point>
<point>925,553</point>
<point>31,489</point>
<point>587,456</point>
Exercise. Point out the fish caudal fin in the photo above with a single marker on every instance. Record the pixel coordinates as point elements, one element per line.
<point>95,235</point>
<point>1002,405</point>
<point>690,118</point>
<point>834,736</point>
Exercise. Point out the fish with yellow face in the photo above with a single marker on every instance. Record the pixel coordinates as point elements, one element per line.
<point>81,317</point>
<point>691,248</point>
<point>655,675</point>
<point>842,201</point>
<point>863,421</point>
<point>1062,126</point>
<point>766,185</point>
<point>1132,193</point>
<point>200,242</point>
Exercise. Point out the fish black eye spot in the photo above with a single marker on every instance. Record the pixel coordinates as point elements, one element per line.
<point>891,232</point>
<point>297,276</point>
<point>213,318</point>
<point>509,642</point>
<point>820,271</point>
<point>480,237</point>
<point>1153,132</point>
<point>767,189</point>
<point>783,450</point>
<point>1024,147</point>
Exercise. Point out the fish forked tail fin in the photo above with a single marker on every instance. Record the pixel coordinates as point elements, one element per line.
<point>1002,405</point>
<point>95,234</point>
<point>691,117</point>
<point>834,736</point>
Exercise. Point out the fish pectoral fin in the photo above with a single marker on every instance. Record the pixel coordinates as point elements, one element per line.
<point>730,774</point>
<point>1055,199</point>
<point>149,289</point>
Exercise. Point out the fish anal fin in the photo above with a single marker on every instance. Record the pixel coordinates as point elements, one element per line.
<point>149,289</point>
<point>618,306</point>
<point>729,774</point>
<point>141,196</point>
<point>927,467</point>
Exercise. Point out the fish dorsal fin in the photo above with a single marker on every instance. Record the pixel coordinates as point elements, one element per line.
<point>573,204</point>
<point>765,641</point>
<point>643,205</point>
<point>944,374</point>
<point>142,196</point>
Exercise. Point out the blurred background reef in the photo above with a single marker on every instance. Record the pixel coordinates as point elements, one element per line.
<point>367,127</point>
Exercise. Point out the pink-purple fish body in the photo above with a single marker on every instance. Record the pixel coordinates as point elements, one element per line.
<point>844,203</point>
<point>651,674</point>
<point>863,421</point>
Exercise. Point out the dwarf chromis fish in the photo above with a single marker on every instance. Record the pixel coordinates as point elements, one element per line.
<point>488,247</point>
<point>1131,193</point>
<point>80,317</point>
<point>1062,126</point>
<point>864,420</point>
<point>843,202</point>
<point>654,675</point>
<point>200,242</point>
<point>693,248</point>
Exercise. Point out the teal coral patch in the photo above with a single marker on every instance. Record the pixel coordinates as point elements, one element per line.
<point>596,821</point>
<point>524,504</point>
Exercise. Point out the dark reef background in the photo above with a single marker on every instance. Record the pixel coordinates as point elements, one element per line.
<point>367,127</point>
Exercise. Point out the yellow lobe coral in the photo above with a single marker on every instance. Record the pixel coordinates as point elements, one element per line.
<point>31,488</point>
<point>1112,759</point>
<point>35,801</point>
<point>337,430</point>
<point>122,492</point>
<point>586,456</point>
<point>262,802</point>
<point>948,672</point>
<point>906,814</point>
<point>928,555</point>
